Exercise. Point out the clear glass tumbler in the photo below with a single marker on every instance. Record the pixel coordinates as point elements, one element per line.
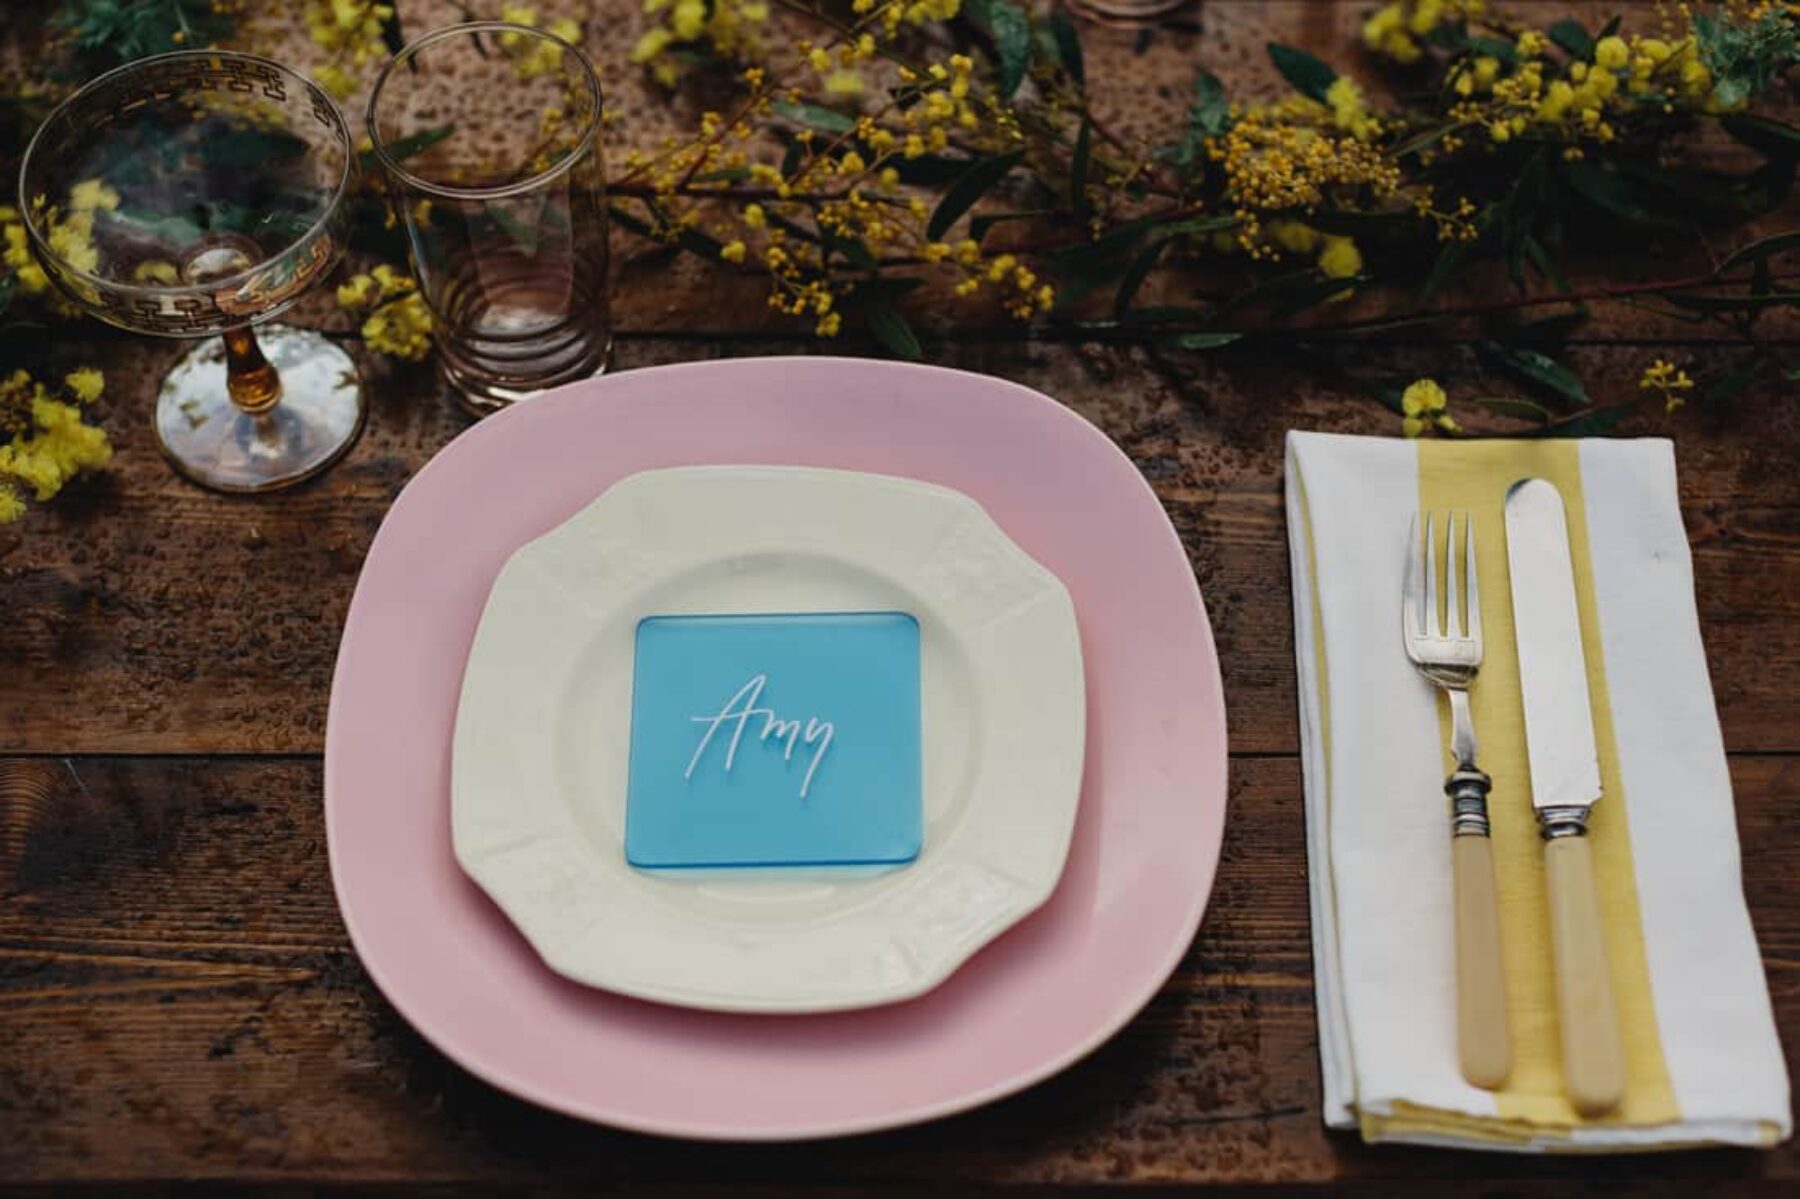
<point>489,136</point>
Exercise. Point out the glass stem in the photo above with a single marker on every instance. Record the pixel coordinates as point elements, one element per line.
<point>255,387</point>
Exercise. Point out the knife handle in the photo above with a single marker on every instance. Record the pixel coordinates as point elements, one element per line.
<point>1593,1055</point>
<point>1483,1043</point>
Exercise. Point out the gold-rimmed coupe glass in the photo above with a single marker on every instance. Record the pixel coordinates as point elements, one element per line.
<point>489,136</point>
<point>199,194</point>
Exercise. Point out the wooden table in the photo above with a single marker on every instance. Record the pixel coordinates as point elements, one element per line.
<point>177,995</point>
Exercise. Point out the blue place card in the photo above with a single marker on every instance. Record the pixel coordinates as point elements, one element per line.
<point>787,740</point>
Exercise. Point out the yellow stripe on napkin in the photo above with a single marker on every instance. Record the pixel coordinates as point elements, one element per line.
<point>1474,477</point>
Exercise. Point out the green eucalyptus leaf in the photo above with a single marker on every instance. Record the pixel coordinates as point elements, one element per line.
<point>891,329</point>
<point>1450,260</point>
<point>1616,194</point>
<point>1011,30</point>
<point>1573,37</point>
<point>1068,46</point>
<point>981,178</point>
<point>1514,407</point>
<point>1198,340</point>
<point>1307,73</point>
<point>929,170</point>
<point>1591,423</point>
<point>1539,370</point>
<point>1767,136</point>
<point>815,116</point>
<point>391,34</point>
<point>1210,112</point>
<point>403,148</point>
<point>1136,274</point>
<point>1425,139</point>
<point>1078,170</point>
<point>792,158</point>
<point>1546,265</point>
<point>1493,47</point>
<point>1761,250</point>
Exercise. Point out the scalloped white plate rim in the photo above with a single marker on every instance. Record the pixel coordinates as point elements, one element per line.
<point>875,940</point>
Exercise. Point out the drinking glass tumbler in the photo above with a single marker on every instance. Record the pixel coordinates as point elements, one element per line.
<point>488,133</point>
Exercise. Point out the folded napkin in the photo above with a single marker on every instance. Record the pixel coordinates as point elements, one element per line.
<point>1703,1064</point>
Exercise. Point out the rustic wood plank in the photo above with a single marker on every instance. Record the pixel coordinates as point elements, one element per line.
<point>178,1000</point>
<point>147,616</point>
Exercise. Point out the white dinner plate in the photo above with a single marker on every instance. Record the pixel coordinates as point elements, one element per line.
<point>539,772</point>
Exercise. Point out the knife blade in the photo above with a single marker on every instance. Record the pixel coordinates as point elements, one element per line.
<point>1565,783</point>
<point>1559,720</point>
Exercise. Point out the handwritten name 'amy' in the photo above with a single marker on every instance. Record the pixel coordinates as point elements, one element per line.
<point>740,709</point>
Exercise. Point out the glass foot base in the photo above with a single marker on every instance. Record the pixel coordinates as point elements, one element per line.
<point>218,445</point>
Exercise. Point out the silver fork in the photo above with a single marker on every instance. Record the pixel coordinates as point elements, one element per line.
<point>1445,647</point>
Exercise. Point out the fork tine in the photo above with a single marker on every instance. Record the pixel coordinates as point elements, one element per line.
<point>1433,623</point>
<point>1453,624</point>
<point>1412,599</point>
<point>1473,588</point>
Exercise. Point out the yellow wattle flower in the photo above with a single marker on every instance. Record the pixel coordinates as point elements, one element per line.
<point>85,384</point>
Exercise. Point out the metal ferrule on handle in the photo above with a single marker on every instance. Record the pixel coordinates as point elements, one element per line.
<point>1563,820</point>
<point>1468,791</point>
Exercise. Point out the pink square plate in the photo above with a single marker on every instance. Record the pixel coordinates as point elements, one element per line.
<point>1146,839</point>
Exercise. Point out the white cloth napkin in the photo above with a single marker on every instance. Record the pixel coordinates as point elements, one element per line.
<point>1704,1062</point>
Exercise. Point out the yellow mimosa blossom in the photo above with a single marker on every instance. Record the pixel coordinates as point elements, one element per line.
<point>653,43</point>
<point>85,384</point>
<point>1339,258</point>
<point>688,20</point>
<point>1424,406</point>
<point>1612,53</point>
<point>90,194</point>
<point>357,292</point>
<point>1294,236</point>
<point>349,28</point>
<point>1348,110</point>
<point>18,257</point>
<point>50,443</point>
<point>844,82</point>
<point>72,240</point>
<point>400,328</point>
<point>1426,16</point>
<point>733,251</point>
<point>335,80</point>
<point>1669,381</point>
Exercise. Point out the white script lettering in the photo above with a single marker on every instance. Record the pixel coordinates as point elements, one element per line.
<point>787,734</point>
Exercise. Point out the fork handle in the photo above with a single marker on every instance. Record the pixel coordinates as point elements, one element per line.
<point>1484,1045</point>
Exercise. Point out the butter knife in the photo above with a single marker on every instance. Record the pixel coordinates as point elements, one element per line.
<point>1565,784</point>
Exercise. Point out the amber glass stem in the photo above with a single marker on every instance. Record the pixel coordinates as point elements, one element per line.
<point>254,385</point>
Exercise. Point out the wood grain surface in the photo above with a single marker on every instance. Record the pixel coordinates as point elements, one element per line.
<point>178,999</point>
